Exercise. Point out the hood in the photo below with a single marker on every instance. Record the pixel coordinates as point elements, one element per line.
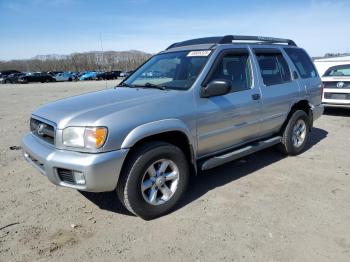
<point>89,109</point>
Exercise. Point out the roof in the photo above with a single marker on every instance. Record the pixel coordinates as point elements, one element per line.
<point>213,41</point>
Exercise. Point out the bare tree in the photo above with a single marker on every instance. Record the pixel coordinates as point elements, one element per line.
<point>90,61</point>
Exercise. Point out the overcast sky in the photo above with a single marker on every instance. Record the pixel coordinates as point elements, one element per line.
<point>33,27</point>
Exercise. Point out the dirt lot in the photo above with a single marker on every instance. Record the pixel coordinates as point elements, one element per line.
<point>265,207</point>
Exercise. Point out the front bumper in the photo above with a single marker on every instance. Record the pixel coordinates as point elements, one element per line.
<point>101,171</point>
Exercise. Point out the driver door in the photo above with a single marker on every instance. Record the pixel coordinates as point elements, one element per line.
<point>229,120</point>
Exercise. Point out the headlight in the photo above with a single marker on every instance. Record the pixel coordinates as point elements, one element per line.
<point>85,137</point>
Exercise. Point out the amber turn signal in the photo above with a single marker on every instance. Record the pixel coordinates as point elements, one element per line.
<point>95,137</point>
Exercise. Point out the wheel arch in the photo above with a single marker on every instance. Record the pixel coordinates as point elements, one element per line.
<point>172,131</point>
<point>303,105</point>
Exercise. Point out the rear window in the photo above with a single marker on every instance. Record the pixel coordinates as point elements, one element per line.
<point>274,68</point>
<point>342,70</point>
<point>302,62</point>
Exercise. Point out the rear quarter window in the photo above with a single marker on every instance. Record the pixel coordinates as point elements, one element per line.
<point>302,62</point>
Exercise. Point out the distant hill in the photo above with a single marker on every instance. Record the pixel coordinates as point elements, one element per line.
<point>93,60</point>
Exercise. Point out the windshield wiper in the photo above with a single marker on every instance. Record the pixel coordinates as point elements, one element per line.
<point>125,84</point>
<point>150,85</point>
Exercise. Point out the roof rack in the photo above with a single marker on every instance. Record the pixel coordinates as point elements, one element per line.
<point>228,39</point>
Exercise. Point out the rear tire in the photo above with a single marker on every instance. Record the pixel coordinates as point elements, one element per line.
<point>295,134</point>
<point>153,180</point>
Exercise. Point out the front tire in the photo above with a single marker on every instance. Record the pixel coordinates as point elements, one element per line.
<point>296,134</point>
<point>153,180</point>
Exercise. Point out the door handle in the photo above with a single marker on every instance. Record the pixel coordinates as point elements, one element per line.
<point>256,96</point>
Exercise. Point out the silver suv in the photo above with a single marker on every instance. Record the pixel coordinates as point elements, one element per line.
<point>197,105</point>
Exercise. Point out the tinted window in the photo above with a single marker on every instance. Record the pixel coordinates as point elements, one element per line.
<point>342,70</point>
<point>236,69</point>
<point>274,68</point>
<point>302,62</point>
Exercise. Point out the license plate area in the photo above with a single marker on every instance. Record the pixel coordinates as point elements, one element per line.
<point>336,96</point>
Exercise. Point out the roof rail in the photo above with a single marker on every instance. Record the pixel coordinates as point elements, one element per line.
<point>230,38</point>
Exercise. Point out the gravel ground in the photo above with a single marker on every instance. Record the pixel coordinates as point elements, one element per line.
<point>265,207</point>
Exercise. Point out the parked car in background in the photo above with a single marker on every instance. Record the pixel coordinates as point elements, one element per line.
<point>66,76</point>
<point>53,73</point>
<point>75,75</point>
<point>6,73</point>
<point>125,73</point>
<point>153,73</point>
<point>336,84</point>
<point>323,64</point>
<point>12,78</point>
<point>36,77</point>
<point>108,75</point>
<point>88,76</point>
<point>223,98</point>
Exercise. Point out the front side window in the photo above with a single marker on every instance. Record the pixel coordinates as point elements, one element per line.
<point>176,70</point>
<point>302,62</point>
<point>342,70</point>
<point>274,68</point>
<point>236,69</point>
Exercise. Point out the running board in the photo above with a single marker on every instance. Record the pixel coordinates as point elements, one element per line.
<point>238,153</point>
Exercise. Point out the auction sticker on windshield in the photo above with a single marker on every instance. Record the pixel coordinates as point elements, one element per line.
<point>199,53</point>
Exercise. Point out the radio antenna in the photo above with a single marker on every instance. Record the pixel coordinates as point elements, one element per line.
<point>102,54</point>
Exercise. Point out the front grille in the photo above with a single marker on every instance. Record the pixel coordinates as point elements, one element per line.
<point>339,96</point>
<point>66,175</point>
<point>337,84</point>
<point>42,130</point>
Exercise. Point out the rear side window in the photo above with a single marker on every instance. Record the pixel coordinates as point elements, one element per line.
<point>274,68</point>
<point>302,62</point>
<point>235,68</point>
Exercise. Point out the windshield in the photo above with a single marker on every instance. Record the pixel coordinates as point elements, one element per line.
<point>176,70</point>
<point>343,70</point>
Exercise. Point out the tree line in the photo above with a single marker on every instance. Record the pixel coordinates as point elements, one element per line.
<point>77,62</point>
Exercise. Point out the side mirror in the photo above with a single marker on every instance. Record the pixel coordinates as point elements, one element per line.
<point>216,88</point>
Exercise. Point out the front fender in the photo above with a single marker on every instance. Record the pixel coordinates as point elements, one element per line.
<point>157,127</point>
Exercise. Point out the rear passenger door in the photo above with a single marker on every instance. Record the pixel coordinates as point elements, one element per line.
<point>232,119</point>
<point>279,91</point>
